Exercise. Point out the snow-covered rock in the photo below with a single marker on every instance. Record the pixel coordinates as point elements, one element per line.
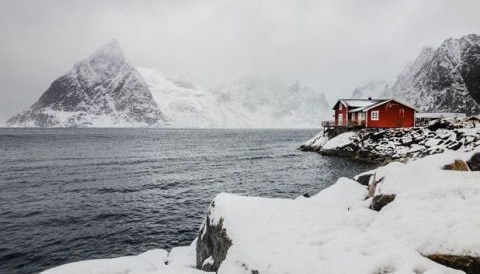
<point>434,215</point>
<point>103,90</point>
<point>157,261</point>
<point>183,256</point>
<point>399,143</point>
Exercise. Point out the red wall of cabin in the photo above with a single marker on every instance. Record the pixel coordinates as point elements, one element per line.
<point>392,114</point>
<point>343,112</point>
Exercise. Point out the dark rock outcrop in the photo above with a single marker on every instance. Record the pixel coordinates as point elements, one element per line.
<point>379,201</point>
<point>468,264</point>
<point>363,179</point>
<point>474,162</point>
<point>212,245</point>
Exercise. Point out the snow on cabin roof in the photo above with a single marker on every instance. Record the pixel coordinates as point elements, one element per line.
<point>359,103</point>
<point>387,101</point>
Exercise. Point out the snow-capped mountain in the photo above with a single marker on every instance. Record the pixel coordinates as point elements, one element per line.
<point>103,90</point>
<point>373,89</point>
<point>446,79</point>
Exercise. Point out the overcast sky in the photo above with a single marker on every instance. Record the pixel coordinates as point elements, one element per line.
<point>332,45</point>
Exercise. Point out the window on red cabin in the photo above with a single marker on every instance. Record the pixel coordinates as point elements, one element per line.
<point>340,106</point>
<point>375,115</point>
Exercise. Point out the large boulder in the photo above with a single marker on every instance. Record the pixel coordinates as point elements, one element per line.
<point>212,245</point>
<point>474,162</point>
<point>469,264</point>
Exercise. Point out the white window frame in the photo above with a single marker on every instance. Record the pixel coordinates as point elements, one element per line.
<point>374,115</point>
<point>340,106</point>
<point>340,119</point>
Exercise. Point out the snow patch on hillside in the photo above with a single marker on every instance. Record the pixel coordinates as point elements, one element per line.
<point>245,103</point>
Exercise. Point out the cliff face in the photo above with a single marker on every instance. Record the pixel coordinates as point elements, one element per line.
<point>446,79</point>
<point>102,90</point>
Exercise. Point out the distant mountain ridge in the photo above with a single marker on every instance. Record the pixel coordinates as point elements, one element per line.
<point>445,79</point>
<point>373,89</point>
<point>105,90</point>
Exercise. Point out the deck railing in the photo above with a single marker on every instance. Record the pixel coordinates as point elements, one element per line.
<point>349,124</point>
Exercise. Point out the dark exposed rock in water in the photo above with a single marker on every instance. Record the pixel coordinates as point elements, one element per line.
<point>469,264</point>
<point>474,162</point>
<point>212,245</point>
<point>379,201</point>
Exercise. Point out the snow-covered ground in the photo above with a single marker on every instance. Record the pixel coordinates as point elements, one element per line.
<point>180,260</point>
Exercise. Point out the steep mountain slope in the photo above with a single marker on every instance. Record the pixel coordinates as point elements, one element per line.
<point>102,90</point>
<point>188,105</point>
<point>446,79</point>
<point>372,89</point>
<point>244,103</point>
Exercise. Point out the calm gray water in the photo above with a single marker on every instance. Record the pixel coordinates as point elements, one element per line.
<point>76,194</point>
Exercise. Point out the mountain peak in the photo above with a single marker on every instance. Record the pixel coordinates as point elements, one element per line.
<point>111,50</point>
<point>444,79</point>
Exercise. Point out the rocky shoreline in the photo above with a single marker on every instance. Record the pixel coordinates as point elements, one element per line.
<point>386,145</point>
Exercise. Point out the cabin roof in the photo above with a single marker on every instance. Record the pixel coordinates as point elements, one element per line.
<point>358,105</point>
<point>387,101</point>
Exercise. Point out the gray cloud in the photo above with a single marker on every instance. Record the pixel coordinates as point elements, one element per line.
<point>332,45</point>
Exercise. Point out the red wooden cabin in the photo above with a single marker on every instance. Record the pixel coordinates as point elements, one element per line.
<point>373,113</point>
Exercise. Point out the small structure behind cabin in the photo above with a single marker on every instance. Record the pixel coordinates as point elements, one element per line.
<point>423,118</point>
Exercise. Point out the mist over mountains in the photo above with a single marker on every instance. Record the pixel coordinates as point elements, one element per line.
<point>105,90</point>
